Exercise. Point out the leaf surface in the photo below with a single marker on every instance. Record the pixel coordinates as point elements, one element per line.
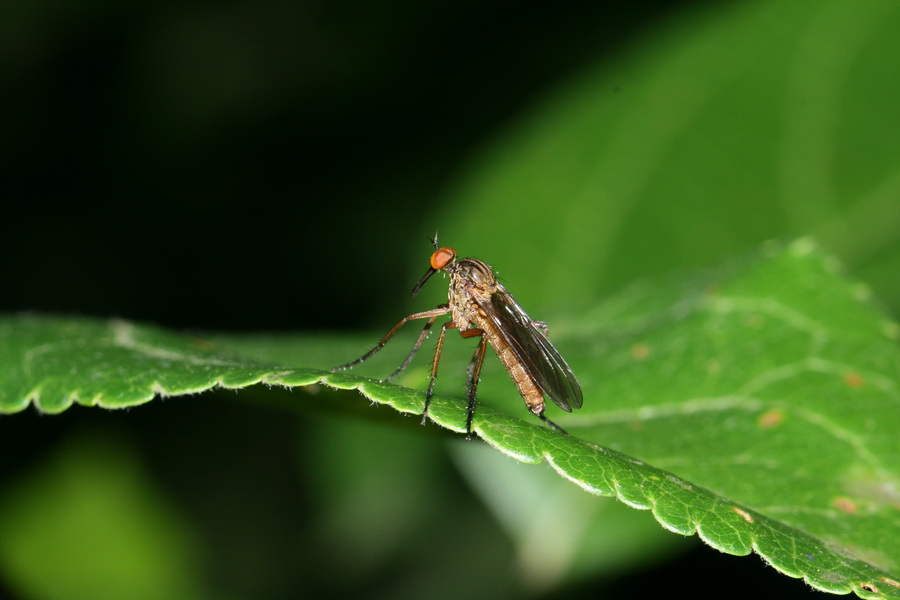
<point>756,405</point>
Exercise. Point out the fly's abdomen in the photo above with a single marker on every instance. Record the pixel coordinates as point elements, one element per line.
<point>531,393</point>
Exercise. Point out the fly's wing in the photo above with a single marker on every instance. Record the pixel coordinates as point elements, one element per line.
<point>542,360</point>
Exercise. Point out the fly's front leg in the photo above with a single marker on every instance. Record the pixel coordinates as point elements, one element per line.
<point>474,375</point>
<point>434,367</point>
<point>431,315</point>
<point>418,344</point>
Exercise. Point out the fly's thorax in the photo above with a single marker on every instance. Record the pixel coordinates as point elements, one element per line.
<point>469,278</point>
<point>474,272</point>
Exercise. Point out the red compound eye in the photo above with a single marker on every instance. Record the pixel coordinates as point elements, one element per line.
<point>441,257</point>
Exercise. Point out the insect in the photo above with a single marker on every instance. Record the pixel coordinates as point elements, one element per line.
<point>479,306</point>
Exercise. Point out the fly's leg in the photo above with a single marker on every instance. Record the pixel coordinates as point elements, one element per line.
<point>431,315</point>
<point>416,346</point>
<point>474,375</point>
<point>553,425</point>
<point>434,367</point>
<point>539,413</point>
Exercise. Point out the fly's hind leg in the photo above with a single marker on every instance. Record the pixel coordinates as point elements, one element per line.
<point>553,425</point>
<point>538,411</point>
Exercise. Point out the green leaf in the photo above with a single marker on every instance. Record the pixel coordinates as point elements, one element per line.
<point>756,405</point>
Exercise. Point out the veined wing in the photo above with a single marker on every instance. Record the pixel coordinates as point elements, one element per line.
<point>531,346</point>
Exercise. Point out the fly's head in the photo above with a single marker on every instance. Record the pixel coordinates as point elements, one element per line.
<point>465,273</point>
<point>442,259</point>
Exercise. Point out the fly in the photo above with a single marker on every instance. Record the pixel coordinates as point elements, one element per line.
<point>479,306</point>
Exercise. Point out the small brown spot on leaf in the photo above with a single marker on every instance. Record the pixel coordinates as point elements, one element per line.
<point>770,419</point>
<point>890,582</point>
<point>854,380</point>
<point>870,587</point>
<point>640,351</point>
<point>845,504</point>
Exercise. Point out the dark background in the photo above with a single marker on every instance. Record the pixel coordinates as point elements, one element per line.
<point>237,165</point>
<point>264,166</point>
